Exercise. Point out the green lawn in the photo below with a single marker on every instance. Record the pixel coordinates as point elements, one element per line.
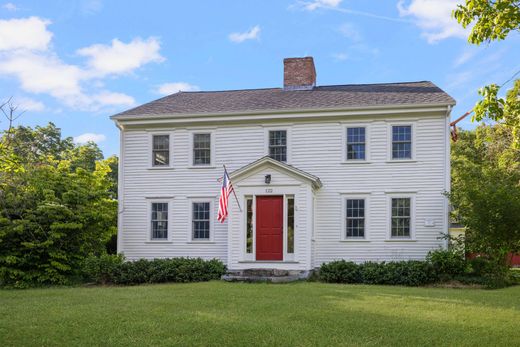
<point>218,314</point>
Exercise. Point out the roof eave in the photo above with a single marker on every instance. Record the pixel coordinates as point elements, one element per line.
<point>150,116</point>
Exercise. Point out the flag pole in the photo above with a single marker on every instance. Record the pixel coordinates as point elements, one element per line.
<point>235,194</point>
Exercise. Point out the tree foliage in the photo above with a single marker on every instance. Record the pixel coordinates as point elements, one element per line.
<point>494,20</point>
<point>56,205</point>
<point>486,189</point>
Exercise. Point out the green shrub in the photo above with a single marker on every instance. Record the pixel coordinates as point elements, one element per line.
<point>447,263</point>
<point>340,271</point>
<point>408,273</point>
<point>101,269</point>
<point>109,270</point>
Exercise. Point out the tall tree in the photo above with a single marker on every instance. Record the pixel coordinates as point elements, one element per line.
<point>494,20</point>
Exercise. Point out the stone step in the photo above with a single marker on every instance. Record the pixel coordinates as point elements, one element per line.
<point>262,279</point>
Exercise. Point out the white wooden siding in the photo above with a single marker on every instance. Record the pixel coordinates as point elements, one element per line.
<point>316,147</point>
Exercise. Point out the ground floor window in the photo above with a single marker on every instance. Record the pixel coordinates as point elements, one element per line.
<point>159,221</point>
<point>401,217</point>
<point>355,218</point>
<point>249,225</point>
<point>201,220</point>
<point>290,225</point>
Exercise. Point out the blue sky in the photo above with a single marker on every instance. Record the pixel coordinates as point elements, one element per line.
<point>75,63</point>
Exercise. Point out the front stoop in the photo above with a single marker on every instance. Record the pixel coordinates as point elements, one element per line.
<point>265,275</point>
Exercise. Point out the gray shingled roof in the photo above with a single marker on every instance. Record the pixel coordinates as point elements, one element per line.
<point>320,97</point>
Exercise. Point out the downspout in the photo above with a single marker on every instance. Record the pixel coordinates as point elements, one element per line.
<point>447,173</point>
<point>120,189</point>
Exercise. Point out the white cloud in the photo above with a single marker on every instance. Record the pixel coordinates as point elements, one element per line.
<point>174,87</point>
<point>434,18</point>
<point>350,31</point>
<point>25,33</point>
<point>26,54</point>
<point>248,35</point>
<point>10,7</point>
<point>120,57</point>
<point>313,5</point>
<point>28,104</point>
<point>89,137</point>
<point>114,99</point>
<point>464,57</point>
<point>340,56</point>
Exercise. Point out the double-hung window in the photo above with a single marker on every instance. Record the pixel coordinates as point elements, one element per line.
<point>201,220</point>
<point>356,146</point>
<point>278,145</point>
<point>401,217</point>
<point>201,149</point>
<point>355,218</point>
<point>401,142</point>
<point>159,221</point>
<point>160,150</point>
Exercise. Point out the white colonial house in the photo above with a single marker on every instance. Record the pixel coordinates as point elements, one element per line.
<point>354,172</point>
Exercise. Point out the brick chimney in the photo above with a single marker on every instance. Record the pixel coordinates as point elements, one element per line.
<point>299,73</point>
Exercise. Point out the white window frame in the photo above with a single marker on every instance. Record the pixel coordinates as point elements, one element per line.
<point>151,134</point>
<point>404,195</point>
<point>344,143</point>
<point>249,256</point>
<point>355,196</point>
<point>149,202</point>
<point>211,220</point>
<point>287,130</point>
<point>389,141</point>
<point>212,148</point>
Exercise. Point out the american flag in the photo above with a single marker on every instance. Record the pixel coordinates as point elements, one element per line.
<point>225,191</point>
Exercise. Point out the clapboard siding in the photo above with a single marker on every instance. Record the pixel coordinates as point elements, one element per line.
<point>317,148</point>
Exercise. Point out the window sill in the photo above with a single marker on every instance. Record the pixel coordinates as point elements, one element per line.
<point>394,161</point>
<point>160,168</point>
<point>159,241</point>
<point>352,162</point>
<point>354,240</point>
<point>400,240</point>
<point>201,167</point>
<point>201,242</point>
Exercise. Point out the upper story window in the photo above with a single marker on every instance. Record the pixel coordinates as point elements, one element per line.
<point>402,142</point>
<point>159,221</point>
<point>356,146</point>
<point>161,150</point>
<point>201,220</point>
<point>401,217</point>
<point>278,145</point>
<point>355,218</point>
<point>202,149</point>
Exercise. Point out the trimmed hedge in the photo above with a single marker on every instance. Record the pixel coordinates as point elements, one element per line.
<point>112,269</point>
<point>407,273</point>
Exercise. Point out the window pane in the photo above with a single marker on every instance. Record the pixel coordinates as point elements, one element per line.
<point>401,216</point>
<point>356,143</point>
<point>278,145</point>
<point>159,220</point>
<point>355,222</point>
<point>161,150</point>
<point>201,220</point>
<point>402,142</point>
<point>290,225</point>
<point>201,149</point>
<point>249,227</point>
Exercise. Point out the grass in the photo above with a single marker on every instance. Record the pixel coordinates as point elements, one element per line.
<point>220,314</point>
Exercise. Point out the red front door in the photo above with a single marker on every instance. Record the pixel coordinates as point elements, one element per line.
<point>269,228</point>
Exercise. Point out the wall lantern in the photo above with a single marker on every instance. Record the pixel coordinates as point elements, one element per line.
<point>267,179</point>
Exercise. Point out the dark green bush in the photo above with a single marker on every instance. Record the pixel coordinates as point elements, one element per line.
<point>340,271</point>
<point>108,269</point>
<point>408,273</point>
<point>447,263</point>
<point>101,269</point>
